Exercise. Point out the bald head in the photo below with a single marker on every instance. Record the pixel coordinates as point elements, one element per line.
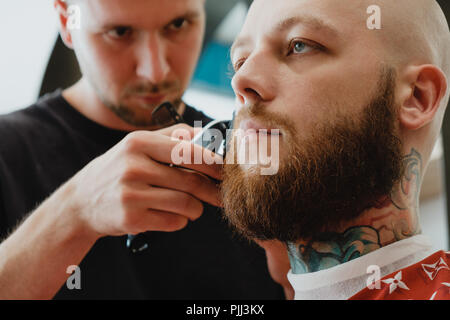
<point>415,32</point>
<point>322,55</point>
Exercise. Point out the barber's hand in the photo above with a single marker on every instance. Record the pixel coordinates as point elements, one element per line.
<point>278,264</point>
<point>132,189</point>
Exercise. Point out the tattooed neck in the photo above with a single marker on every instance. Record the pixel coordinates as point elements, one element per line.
<point>395,219</point>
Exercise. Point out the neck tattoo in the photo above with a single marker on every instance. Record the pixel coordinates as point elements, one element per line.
<point>395,219</point>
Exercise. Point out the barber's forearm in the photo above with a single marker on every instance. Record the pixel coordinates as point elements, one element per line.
<point>34,259</point>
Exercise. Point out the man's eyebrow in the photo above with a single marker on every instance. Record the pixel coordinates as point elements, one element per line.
<point>314,22</point>
<point>189,15</point>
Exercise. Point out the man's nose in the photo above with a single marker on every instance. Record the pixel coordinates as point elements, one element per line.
<point>254,81</point>
<point>152,63</point>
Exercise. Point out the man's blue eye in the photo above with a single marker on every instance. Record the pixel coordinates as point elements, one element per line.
<point>299,47</point>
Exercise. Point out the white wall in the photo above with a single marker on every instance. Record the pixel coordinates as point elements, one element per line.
<point>215,105</point>
<point>433,220</point>
<point>28,30</point>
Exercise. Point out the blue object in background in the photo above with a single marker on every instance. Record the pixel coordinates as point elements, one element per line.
<point>214,69</point>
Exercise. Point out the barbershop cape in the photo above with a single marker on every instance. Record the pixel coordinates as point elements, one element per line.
<point>428,279</point>
<point>405,269</point>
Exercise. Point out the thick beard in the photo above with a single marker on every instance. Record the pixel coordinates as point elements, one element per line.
<point>344,168</point>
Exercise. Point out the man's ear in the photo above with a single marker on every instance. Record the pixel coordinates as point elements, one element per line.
<point>63,17</point>
<point>427,87</point>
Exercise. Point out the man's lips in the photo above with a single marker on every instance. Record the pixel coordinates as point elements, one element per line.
<point>151,98</point>
<point>250,125</point>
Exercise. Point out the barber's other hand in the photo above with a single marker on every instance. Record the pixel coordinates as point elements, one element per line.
<point>132,189</point>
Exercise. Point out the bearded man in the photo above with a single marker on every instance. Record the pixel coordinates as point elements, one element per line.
<point>357,112</point>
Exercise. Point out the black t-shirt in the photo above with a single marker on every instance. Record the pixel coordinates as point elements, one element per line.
<point>44,145</point>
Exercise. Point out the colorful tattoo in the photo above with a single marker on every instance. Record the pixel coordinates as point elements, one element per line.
<point>396,220</point>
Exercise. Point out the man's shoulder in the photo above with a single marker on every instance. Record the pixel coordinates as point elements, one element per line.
<point>27,124</point>
<point>31,115</point>
<point>19,120</point>
<point>428,279</point>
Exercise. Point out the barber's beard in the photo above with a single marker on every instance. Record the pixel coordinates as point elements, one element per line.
<point>344,168</point>
<point>141,115</point>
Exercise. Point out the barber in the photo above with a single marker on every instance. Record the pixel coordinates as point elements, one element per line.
<point>83,167</point>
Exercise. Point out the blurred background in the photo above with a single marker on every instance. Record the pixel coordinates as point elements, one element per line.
<point>33,61</point>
